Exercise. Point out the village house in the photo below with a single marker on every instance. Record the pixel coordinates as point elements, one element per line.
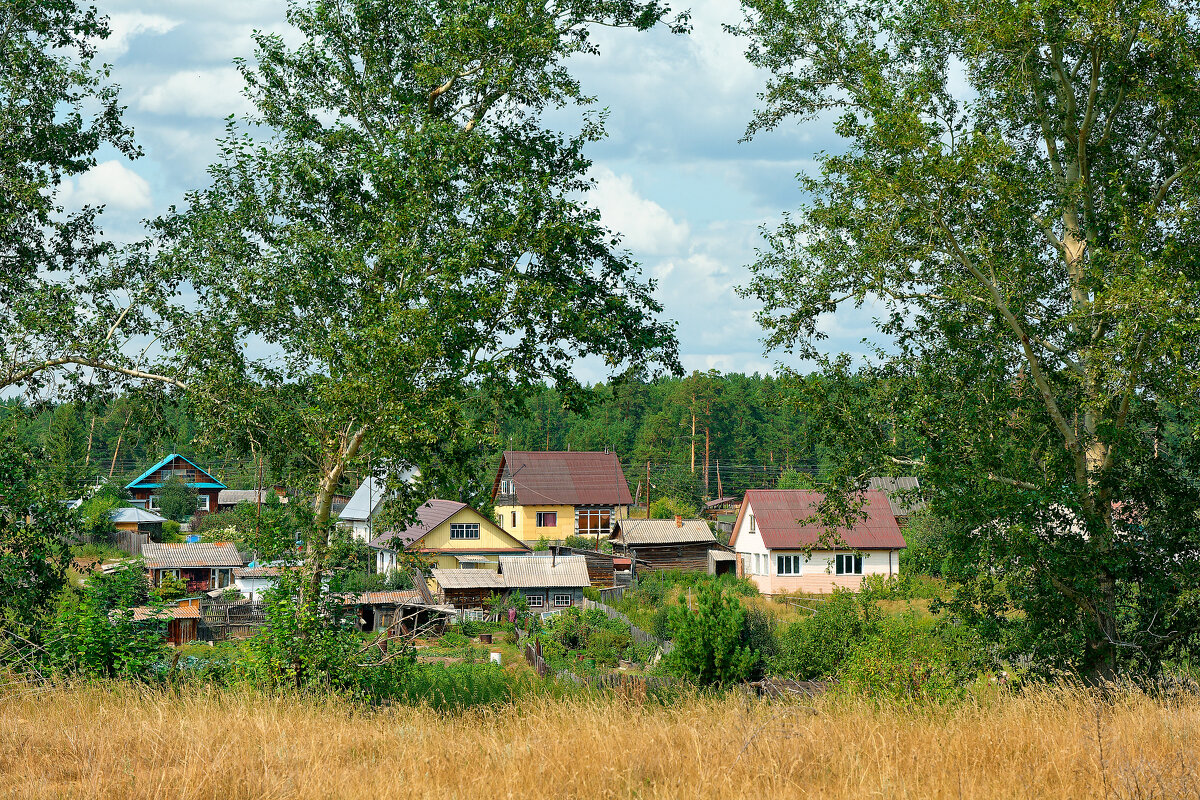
<point>448,535</point>
<point>359,513</point>
<point>554,495</point>
<point>780,554</point>
<point>545,581</point>
<point>229,499</point>
<point>202,566</point>
<point>666,543</point>
<point>146,487</point>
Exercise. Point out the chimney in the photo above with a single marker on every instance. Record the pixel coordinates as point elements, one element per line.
<point>678,521</point>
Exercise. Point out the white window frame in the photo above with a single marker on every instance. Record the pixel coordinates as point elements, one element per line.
<point>464,530</point>
<point>750,522</point>
<point>541,515</point>
<point>534,600</point>
<point>855,561</point>
<point>562,600</point>
<point>152,503</point>
<point>598,512</point>
<point>787,565</point>
<point>202,502</point>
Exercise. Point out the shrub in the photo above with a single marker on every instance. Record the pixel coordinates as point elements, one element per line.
<point>708,640</point>
<point>171,588</point>
<point>909,660</point>
<point>818,645</point>
<point>177,500</point>
<point>900,587</point>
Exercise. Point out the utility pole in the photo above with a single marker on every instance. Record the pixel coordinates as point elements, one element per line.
<point>647,488</point>
<point>720,493</point>
<point>693,436</point>
<point>707,442</point>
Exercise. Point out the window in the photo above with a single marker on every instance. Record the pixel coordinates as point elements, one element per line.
<point>547,519</point>
<point>593,521</point>
<point>787,565</point>
<point>464,530</point>
<point>500,520</point>
<point>849,564</point>
<point>750,517</point>
<point>561,600</point>
<point>506,486</point>
<point>202,502</point>
<point>153,503</point>
<point>514,520</point>
<point>219,578</point>
<point>533,600</point>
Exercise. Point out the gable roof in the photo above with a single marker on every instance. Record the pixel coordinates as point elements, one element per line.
<point>139,515</point>
<point>896,489</point>
<point>537,571</point>
<point>430,514</point>
<point>778,513</point>
<point>137,482</point>
<point>565,478</point>
<point>663,531</point>
<point>191,554</point>
<point>370,493</point>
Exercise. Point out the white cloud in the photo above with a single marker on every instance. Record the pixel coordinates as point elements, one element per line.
<point>645,226</point>
<point>109,183</point>
<point>127,26</point>
<point>202,93</point>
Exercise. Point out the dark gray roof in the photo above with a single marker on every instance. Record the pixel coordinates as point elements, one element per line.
<point>431,514</point>
<point>467,579</point>
<point>899,494</point>
<point>139,515</point>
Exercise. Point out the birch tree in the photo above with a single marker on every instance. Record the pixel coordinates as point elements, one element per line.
<point>400,231</point>
<point>1018,194</point>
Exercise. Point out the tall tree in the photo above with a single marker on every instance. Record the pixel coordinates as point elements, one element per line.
<point>68,298</point>
<point>1018,189</point>
<point>407,236</point>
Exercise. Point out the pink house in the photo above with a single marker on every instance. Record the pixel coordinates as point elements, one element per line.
<point>781,555</point>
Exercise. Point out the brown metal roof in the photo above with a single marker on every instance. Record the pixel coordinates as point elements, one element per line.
<point>431,514</point>
<point>192,554</point>
<point>635,532</point>
<point>141,613</point>
<point>778,513</point>
<point>406,596</point>
<point>899,493</point>
<point>568,479</point>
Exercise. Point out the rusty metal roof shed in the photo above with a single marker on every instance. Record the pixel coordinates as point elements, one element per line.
<point>565,478</point>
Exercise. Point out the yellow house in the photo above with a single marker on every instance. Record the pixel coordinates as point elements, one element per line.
<point>554,495</point>
<point>448,535</point>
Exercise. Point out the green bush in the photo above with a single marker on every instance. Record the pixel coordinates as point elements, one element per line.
<point>900,587</point>
<point>709,647</point>
<point>817,646</point>
<point>910,660</point>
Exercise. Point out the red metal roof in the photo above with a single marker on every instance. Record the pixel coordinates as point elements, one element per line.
<point>778,513</point>
<point>567,479</point>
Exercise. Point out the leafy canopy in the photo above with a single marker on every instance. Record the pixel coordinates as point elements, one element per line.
<point>1016,193</point>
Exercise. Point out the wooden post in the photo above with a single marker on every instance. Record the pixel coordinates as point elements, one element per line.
<point>720,493</point>
<point>647,488</point>
<point>707,442</point>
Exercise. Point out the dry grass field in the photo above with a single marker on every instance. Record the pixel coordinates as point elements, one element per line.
<point>88,742</point>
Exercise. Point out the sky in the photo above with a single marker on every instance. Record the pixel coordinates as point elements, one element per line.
<point>672,178</point>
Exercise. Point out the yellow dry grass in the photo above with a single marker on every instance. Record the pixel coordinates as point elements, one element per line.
<point>122,742</point>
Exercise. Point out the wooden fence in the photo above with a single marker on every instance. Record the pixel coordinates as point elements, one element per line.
<point>613,593</point>
<point>533,654</point>
<point>637,633</point>
<point>222,621</point>
<point>131,542</point>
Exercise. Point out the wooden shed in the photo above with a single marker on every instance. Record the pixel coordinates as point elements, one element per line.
<point>666,543</point>
<point>183,621</point>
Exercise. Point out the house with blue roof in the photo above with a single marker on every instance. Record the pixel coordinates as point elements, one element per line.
<point>145,488</point>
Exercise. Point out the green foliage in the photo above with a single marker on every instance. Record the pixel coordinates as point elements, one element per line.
<point>176,500</point>
<point>66,448</point>
<point>794,479</point>
<point>542,544</point>
<point>927,538</point>
<point>34,529</point>
<point>63,295</point>
<point>901,587</point>
<point>309,644</point>
<point>671,507</point>
<point>170,588</point>
<point>708,638</point>
<point>172,531</point>
<point>818,645</point>
<point>95,636</point>
<point>1037,331</point>
<point>588,543</point>
<point>908,660</point>
<point>590,635</point>
<point>96,515</point>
